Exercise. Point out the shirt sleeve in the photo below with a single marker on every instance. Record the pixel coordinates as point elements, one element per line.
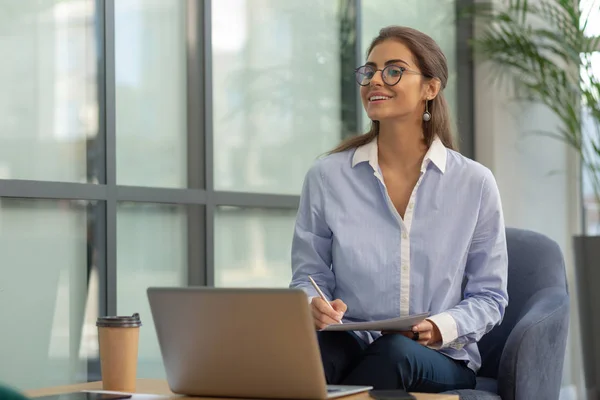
<point>311,243</point>
<point>485,294</point>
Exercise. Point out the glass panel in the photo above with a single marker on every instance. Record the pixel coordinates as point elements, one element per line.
<point>277,89</point>
<point>433,17</point>
<point>591,133</point>
<point>150,57</point>
<point>253,247</point>
<point>48,101</point>
<point>151,251</point>
<point>49,291</point>
<point>590,9</point>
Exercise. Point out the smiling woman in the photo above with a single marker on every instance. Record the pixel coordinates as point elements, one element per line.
<point>393,223</point>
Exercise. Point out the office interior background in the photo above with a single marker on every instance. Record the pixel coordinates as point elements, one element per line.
<point>164,143</point>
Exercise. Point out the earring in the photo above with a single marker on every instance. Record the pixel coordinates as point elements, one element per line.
<point>426,114</point>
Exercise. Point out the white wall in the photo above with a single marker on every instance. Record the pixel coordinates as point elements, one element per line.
<point>538,181</point>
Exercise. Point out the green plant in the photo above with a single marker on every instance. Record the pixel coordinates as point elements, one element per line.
<point>540,47</point>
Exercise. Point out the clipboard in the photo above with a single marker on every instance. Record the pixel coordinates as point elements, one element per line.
<point>392,324</point>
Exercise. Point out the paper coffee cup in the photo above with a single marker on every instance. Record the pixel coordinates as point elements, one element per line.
<point>118,339</point>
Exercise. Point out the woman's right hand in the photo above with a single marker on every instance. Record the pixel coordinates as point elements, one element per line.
<point>323,315</point>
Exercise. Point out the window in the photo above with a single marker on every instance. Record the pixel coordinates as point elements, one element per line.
<point>277,91</point>
<point>590,127</point>
<point>590,10</point>
<point>49,98</point>
<point>151,90</point>
<point>253,247</point>
<point>151,251</point>
<point>51,269</point>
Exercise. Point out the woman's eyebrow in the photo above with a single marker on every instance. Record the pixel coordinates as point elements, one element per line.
<point>394,61</point>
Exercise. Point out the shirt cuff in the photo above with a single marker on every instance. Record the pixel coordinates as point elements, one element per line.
<point>448,329</point>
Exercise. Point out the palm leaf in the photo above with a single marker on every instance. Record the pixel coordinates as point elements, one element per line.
<point>541,49</point>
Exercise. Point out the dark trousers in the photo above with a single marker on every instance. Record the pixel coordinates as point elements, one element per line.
<point>392,361</point>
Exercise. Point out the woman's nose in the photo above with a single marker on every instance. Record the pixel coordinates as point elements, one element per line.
<point>377,78</point>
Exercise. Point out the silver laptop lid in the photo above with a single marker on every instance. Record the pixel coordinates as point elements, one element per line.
<point>238,342</point>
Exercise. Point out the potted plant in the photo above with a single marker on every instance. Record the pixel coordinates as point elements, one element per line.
<point>542,47</point>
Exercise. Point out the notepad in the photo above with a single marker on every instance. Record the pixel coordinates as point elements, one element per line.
<point>392,324</point>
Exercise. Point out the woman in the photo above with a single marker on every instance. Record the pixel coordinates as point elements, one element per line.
<point>395,222</point>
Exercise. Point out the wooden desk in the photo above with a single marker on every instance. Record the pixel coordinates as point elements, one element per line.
<point>157,386</point>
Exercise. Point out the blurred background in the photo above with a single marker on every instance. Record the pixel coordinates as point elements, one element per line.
<point>164,142</point>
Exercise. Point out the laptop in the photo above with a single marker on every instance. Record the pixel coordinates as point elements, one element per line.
<point>251,343</point>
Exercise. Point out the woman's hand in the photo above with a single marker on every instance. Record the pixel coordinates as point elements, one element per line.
<point>427,332</point>
<point>323,315</point>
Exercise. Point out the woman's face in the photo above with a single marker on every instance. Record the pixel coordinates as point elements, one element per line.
<point>404,100</point>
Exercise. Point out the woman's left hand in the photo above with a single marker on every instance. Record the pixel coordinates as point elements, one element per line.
<point>427,332</point>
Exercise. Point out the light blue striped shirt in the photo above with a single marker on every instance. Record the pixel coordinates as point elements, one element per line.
<point>350,238</point>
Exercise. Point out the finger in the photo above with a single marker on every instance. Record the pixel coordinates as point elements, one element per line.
<point>326,319</point>
<point>323,318</point>
<point>320,325</point>
<point>319,316</point>
<point>423,326</point>
<point>424,338</point>
<point>333,313</point>
<point>321,305</point>
<point>339,306</point>
<point>324,308</point>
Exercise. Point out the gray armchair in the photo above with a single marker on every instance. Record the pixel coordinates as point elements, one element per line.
<point>523,357</point>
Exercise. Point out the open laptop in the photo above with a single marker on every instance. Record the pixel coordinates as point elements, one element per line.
<point>252,343</point>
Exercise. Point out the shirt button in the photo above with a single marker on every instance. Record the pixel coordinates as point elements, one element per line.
<point>410,206</point>
<point>404,235</point>
<point>404,267</point>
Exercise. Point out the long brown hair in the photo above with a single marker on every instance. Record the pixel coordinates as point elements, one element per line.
<point>432,62</point>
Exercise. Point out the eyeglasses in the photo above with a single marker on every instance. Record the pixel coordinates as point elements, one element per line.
<point>391,74</point>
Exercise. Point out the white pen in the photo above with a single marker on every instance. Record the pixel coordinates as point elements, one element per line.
<point>321,295</point>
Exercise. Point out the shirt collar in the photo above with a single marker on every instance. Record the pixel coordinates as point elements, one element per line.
<point>367,152</point>
<point>436,153</point>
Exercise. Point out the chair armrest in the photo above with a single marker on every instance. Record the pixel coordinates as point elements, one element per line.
<point>532,360</point>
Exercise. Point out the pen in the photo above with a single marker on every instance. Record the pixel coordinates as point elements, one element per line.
<point>321,295</point>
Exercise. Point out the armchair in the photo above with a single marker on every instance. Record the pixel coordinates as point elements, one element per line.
<point>523,357</point>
